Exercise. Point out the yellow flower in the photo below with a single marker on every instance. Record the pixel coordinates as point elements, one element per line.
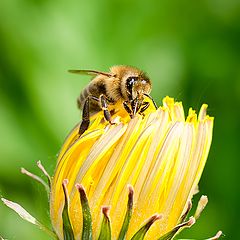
<point>161,155</point>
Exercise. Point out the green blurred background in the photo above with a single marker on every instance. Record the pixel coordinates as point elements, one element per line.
<point>190,49</point>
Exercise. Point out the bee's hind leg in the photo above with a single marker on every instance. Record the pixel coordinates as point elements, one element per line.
<point>104,107</point>
<point>85,117</point>
<point>86,112</point>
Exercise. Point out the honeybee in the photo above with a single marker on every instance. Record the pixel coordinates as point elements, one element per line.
<point>123,84</point>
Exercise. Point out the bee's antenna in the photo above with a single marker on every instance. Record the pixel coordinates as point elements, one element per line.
<point>154,103</point>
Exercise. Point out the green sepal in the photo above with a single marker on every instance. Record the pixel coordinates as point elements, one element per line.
<point>185,214</point>
<point>105,232</point>
<point>36,178</point>
<point>140,234</point>
<point>218,235</point>
<point>128,215</point>
<point>25,215</point>
<point>67,226</point>
<point>41,167</point>
<point>171,234</point>
<point>86,213</point>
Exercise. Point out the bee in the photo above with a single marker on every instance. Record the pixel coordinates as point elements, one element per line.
<point>123,84</point>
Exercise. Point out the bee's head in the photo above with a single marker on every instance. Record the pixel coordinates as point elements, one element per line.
<point>134,83</point>
<point>137,86</point>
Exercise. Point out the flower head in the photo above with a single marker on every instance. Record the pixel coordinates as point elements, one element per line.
<point>161,155</point>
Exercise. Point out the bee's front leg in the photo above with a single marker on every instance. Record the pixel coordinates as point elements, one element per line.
<point>136,105</point>
<point>145,105</point>
<point>128,109</point>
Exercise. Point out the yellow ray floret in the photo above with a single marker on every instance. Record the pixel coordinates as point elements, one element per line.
<point>161,155</point>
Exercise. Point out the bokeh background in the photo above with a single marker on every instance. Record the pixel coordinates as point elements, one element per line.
<point>190,49</point>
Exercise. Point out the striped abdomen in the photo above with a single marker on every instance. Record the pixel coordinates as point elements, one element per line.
<point>95,88</point>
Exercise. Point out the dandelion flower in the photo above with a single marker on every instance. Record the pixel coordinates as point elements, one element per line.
<point>133,179</point>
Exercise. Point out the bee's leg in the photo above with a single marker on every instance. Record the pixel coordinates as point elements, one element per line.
<point>85,117</point>
<point>145,105</point>
<point>104,107</point>
<point>154,103</point>
<point>127,108</point>
<point>135,106</point>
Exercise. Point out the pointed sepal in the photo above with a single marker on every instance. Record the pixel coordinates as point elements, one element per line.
<point>202,203</point>
<point>44,171</point>
<point>105,232</point>
<point>140,234</point>
<point>216,237</point>
<point>128,214</point>
<point>36,178</point>
<point>67,226</point>
<point>185,214</point>
<point>87,219</point>
<point>171,234</point>
<point>27,216</point>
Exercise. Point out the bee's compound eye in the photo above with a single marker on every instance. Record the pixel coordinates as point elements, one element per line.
<point>129,83</point>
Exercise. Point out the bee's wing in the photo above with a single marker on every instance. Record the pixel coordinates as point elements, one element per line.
<point>91,72</point>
